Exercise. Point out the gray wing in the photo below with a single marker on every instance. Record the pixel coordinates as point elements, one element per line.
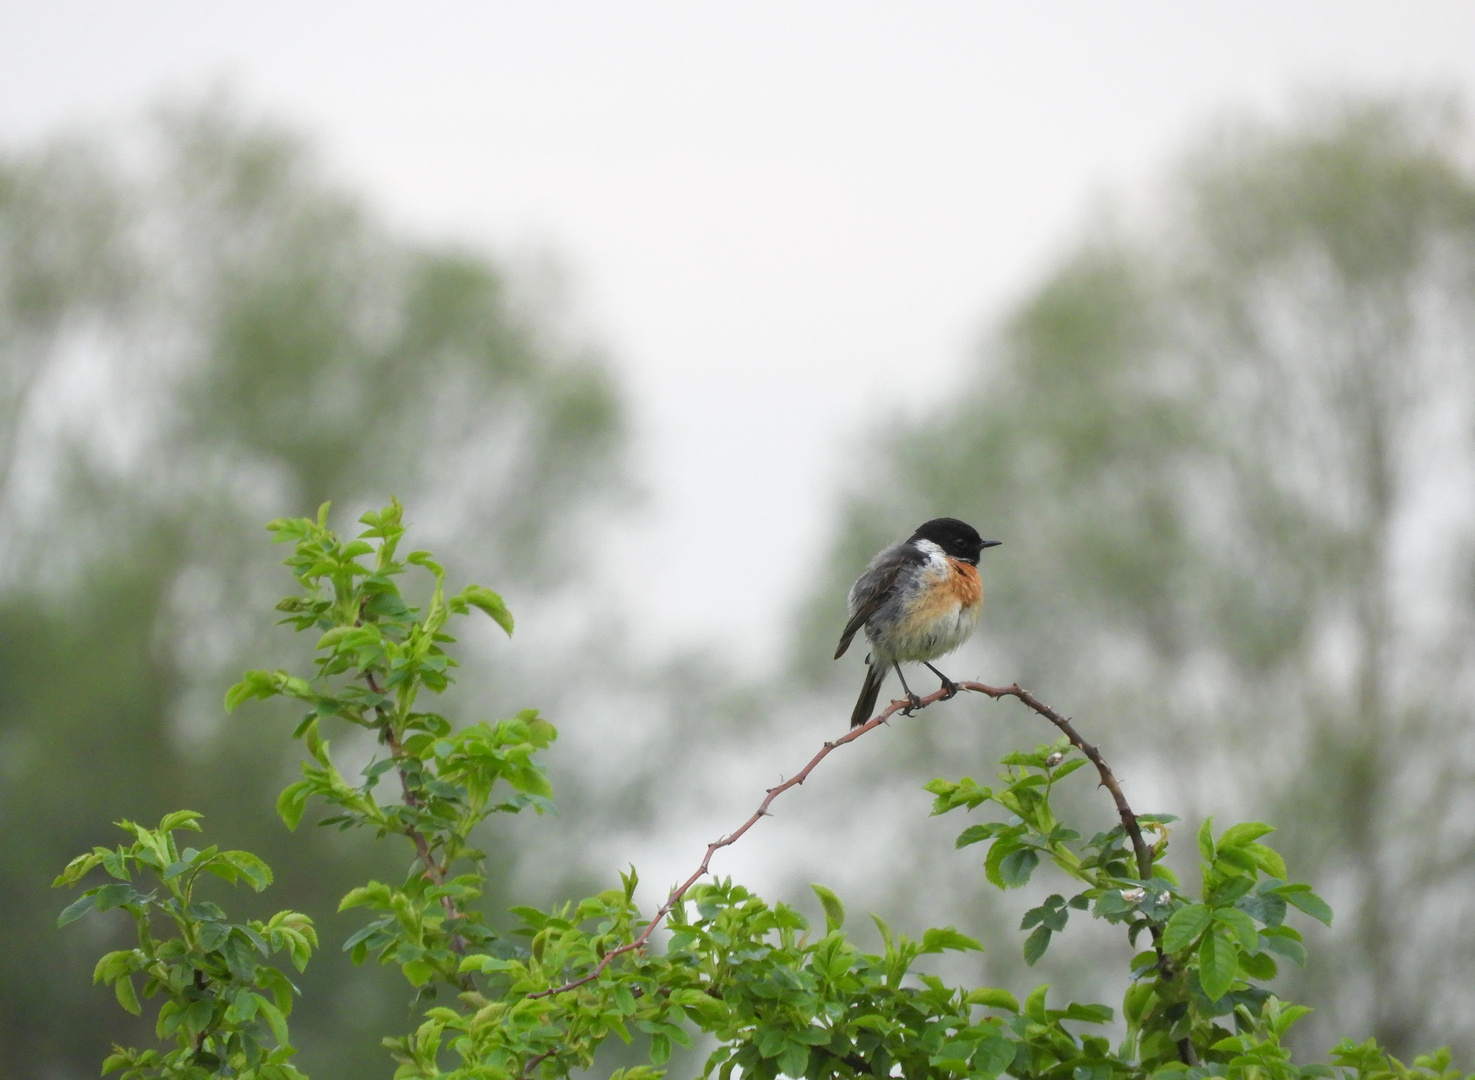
<point>874,587</point>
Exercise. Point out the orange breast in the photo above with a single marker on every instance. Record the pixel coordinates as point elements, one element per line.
<point>942,615</point>
<point>965,583</point>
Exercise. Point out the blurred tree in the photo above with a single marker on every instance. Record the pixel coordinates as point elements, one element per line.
<point>198,332</point>
<point>1229,450</point>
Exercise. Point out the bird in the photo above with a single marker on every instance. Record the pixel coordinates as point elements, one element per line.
<point>917,600</point>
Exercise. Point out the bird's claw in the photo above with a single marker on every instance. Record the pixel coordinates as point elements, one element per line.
<point>949,689</point>
<point>913,703</point>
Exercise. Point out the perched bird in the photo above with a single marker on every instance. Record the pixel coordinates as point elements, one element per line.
<point>918,600</point>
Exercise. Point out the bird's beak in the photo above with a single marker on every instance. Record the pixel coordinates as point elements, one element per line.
<point>992,543</point>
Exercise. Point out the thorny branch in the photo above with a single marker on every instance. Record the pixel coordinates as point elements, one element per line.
<point>1108,781</point>
<point>1129,819</point>
<point>733,837</point>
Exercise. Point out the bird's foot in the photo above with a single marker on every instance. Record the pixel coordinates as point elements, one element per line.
<point>949,688</point>
<point>913,704</point>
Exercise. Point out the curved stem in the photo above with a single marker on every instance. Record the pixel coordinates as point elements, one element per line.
<point>1186,1051</point>
<point>1108,779</point>
<point>733,837</point>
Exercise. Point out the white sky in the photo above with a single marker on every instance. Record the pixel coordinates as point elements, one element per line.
<point>786,221</point>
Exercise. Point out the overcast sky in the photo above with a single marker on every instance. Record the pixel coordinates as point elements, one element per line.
<point>785,222</point>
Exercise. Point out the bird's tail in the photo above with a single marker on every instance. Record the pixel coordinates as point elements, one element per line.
<point>870,690</point>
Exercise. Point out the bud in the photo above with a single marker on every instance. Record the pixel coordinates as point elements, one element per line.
<point>1054,760</point>
<point>1134,896</point>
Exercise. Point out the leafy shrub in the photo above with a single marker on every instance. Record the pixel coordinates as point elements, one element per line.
<point>775,995</point>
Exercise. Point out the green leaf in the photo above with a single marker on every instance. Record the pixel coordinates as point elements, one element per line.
<point>1268,859</point>
<point>1302,897</point>
<point>1231,859</point>
<point>794,1060</point>
<point>76,909</point>
<point>992,1057</point>
<point>884,930</point>
<point>292,802</point>
<point>1090,1014</point>
<point>1069,767</point>
<point>114,964</point>
<point>771,1041</point>
<point>334,637</point>
<point>127,997</point>
<point>1185,926</point>
<point>992,998</point>
<point>181,819</point>
<point>242,1007</point>
<point>1016,867</point>
<point>1259,965</point>
<point>274,1019</point>
<point>935,941</point>
<point>373,893</point>
<point>116,864</point>
<point>1229,891</point>
<point>975,834</point>
<point>254,684</point>
<point>491,603</point>
<point>1206,839</point>
<point>1240,925</point>
<point>77,869</point>
<point>1291,1013</point>
<point>1036,944</point>
<point>1218,963</point>
<point>834,910</point>
<point>363,933</point>
<point>996,852</point>
<point>1282,944</point>
<point>660,1045</point>
<point>1034,1005</point>
<point>256,872</point>
<point>1241,834</point>
<point>1053,913</point>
